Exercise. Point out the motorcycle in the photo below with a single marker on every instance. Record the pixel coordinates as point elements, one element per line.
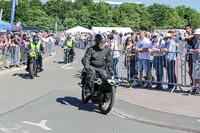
<point>102,92</point>
<point>68,55</point>
<point>34,67</point>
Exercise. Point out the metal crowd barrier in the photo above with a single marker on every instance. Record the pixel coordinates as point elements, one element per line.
<point>177,73</point>
<point>193,59</point>
<point>122,67</point>
<point>9,54</point>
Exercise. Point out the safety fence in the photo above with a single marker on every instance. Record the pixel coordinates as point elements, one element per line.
<point>174,69</point>
<point>17,55</point>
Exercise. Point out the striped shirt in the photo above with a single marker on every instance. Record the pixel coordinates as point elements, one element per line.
<point>144,43</point>
<point>156,46</point>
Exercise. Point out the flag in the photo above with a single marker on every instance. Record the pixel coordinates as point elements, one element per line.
<point>1,13</point>
<point>13,12</point>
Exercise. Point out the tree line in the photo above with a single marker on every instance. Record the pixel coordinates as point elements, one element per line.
<point>86,13</point>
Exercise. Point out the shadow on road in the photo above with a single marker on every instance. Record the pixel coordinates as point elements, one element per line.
<point>78,74</point>
<point>59,62</point>
<point>78,103</point>
<point>22,75</point>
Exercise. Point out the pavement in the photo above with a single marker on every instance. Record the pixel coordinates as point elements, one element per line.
<point>176,103</point>
<point>174,110</point>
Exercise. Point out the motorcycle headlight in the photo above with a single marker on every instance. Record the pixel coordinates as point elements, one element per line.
<point>111,81</point>
<point>32,54</point>
<point>65,47</point>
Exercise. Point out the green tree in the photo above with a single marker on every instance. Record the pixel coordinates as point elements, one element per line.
<point>189,16</point>
<point>132,15</point>
<point>21,14</point>
<point>117,17</point>
<point>58,8</point>
<point>158,14</point>
<point>40,19</point>
<point>101,14</point>
<point>173,20</point>
<point>87,13</point>
<point>6,6</point>
<point>78,4</point>
<point>35,4</point>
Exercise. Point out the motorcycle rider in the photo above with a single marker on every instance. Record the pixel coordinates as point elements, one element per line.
<point>38,45</point>
<point>69,43</point>
<point>97,59</point>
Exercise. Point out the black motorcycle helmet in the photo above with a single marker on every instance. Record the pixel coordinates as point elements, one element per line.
<point>36,38</point>
<point>100,38</point>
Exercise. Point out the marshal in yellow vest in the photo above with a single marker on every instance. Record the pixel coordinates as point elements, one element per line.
<point>37,46</point>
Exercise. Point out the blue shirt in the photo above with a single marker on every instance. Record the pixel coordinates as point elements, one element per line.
<point>171,55</point>
<point>177,40</point>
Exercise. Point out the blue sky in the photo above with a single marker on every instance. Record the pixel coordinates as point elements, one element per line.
<point>195,4</point>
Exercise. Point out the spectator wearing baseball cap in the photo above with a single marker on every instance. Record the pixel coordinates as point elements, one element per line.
<point>143,63</point>
<point>158,58</point>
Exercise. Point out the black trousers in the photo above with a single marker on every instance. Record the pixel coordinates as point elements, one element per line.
<point>190,65</point>
<point>91,76</point>
<point>39,61</point>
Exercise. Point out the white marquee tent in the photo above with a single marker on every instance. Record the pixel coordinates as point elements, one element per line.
<point>109,29</point>
<point>78,29</point>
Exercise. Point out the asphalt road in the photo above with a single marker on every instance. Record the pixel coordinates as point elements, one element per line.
<point>51,103</point>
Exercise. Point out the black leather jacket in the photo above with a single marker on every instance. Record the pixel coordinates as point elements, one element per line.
<point>98,58</point>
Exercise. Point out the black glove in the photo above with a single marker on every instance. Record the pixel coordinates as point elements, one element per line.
<point>112,73</point>
<point>87,68</point>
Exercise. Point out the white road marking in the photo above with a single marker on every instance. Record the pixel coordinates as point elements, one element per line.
<point>63,67</point>
<point>8,130</point>
<point>67,68</point>
<point>23,131</point>
<point>198,120</point>
<point>42,124</point>
<point>16,127</point>
<point>119,113</point>
<point>5,130</point>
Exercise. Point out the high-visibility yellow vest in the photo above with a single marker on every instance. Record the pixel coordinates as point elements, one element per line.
<point>69,43</point>
<point>37,46</point>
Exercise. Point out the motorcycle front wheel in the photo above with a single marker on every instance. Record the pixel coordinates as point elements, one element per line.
<point>106,101</point>
<point>71,57</point>
<point>83,96</point>
<point>66,59</point>
<point>31,70</point>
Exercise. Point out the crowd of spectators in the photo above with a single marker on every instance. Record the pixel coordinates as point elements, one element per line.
<point>13,47</point>
<point>146,51</point>
<point>149,51</point>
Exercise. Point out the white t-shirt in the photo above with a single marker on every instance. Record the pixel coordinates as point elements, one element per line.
<point>114,47</point>
<point>50,39</point>
<point>144,43</point>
